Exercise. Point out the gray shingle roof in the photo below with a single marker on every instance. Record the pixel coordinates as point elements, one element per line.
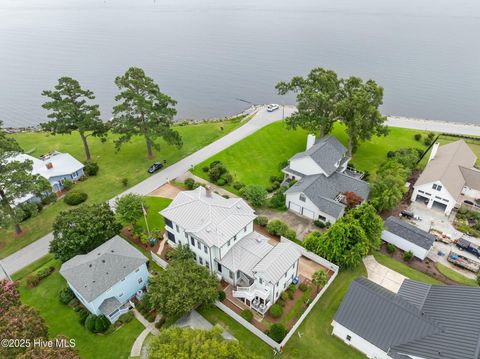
<point>109,305</point>
<point>326,152</point>
<point>472,177</point>
<point>213,218</point>
<point>409,232</point>
<point>277,261</point>
<point>93,273</point>
<point>427,321</point>
<point>322,190</point>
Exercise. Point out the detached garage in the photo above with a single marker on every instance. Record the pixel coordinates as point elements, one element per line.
<point>407,237</point>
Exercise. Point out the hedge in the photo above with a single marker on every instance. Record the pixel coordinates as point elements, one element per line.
<point>75,198</point>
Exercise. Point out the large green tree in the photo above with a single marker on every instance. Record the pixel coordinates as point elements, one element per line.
<point>80,230</point>
<point>317,94</point>
<point>358,108</point>
<point>71,110</point>
<point>129,208</point>
<point>185,343</point>
<point>143,110</point>
<point>182,286</point>
<point>16,182</point>
<point>388,187</point>
<point>371,222</point>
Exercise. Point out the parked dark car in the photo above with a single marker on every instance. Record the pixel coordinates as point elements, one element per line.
<point>407,214</point>
<point>464,244</point>
<point>155,167</point>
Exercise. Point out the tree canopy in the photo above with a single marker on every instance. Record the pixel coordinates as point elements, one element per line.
<point>9,295</point>
<point>80,230</point>
<point>128,208</point>
<point>182,286</point>
<point>57,351</point>
<point>71,110</point>
<point>358,109</point>
<point>16,182</point>
<point>143,110</point>
<point>317,94</point>
<point>186,343</point>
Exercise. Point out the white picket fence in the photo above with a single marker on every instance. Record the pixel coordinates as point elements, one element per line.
<point>159,261</point>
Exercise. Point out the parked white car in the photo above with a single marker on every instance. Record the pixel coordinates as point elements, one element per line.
<point>272,107</point>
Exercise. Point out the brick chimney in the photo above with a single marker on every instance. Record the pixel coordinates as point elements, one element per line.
<point>49,165</point>
<point>208,191</point>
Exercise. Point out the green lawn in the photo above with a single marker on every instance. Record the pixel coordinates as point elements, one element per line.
<point>257,157</point>
<point>155,205</point>
<point>62,320</point>
<point>404,269</point>
<point>130,162</point>
<point>245,337</point>
<point>457,277</point>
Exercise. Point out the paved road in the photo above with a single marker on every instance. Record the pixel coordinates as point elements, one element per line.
<point>39,248</point>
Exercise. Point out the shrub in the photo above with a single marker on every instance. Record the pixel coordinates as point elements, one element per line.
<point>278,200</point>
<point>221,182</point>
<point>126,318</point>
<point>160,322</point>
<point>277,227</point>
<point>101,324</point>
<point>189,183</point>
<point>428,141</point>
<point>216,171</point>
<point>49,198</point>
<point>319,223</point>
<point>431,135</point>
<point>238,185</point>
<point>225,196</point>
<point>227,177</point>
<point>418,136</point>
<point>261,221</point>
<point>391,248</point>
<point>303,287</point>
<point>124,181</point>
<point>75,198</point>
<point>276,310</point>
<point>284,295</point>
<point>83,315</point>
<point>247,315</point>
<point>91,168</point>
<point>290,234</point>
<point>276,179</point>
<point>277,332</point>
<point>205,169</point>
<point>32,280</point>
<point>150,317</point>
<point>67,185</point>
<point>408,256</point>
<point>281,302</point>
<point>90,322</point>
<point>221,295</point>
<point>45,272</point>
<point>255,194</point>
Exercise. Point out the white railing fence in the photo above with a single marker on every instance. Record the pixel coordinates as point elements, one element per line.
<point>159,261</point>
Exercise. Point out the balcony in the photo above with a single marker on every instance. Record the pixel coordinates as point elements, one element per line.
<point>252,292</point>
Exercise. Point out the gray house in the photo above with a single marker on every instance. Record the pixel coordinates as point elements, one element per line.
<point>323,178</point>
<point>407,237</point>
<point>421,321</point>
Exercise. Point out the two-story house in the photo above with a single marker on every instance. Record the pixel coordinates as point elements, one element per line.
<point>322,179</point>
<point>219,232</point>
<point>449,177</point>
<point>105,279</point>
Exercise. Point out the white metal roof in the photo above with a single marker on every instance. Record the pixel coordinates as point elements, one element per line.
<point>276,263</point>
<point>212,218</point>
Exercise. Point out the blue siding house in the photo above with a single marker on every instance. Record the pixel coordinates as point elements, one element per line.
<point>105,279</point>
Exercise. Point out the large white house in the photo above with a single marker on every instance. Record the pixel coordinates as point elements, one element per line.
<point>55,167</point>
<point>449,177</point>
<point>421,321</point>
<point>105,279</point>
<point>322,178</point>
<point>220,233</point>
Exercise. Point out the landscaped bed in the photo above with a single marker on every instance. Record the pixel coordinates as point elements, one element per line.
<point>468,221</point>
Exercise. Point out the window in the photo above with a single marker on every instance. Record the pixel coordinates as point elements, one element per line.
<point>199,245</point>
<point>230,274</point>
<point>192,240</point>
<point>205,249</point>
<point>349,337</point>
<point>285,275</point>
<point>171,236</point>
<point>120,295</point>
<point>245,229</point>
<point>168,222</point>
<point>234,238</point>
<point>437,187</point>
<point>219,267</point>
<point>421,191</point>
<point>137,270</point>
<point>302,197</point>
<point>178,229</point>
<point>322,218</point>
<point>140,280</point>
<point>228,243</point>
<point>207,264</point>
<point>200,259</point>
<point>261,281</point>
<point>194,256</point>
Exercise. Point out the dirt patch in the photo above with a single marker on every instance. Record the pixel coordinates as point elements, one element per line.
<point>427,267</point>
<point>168,190</point>
<point>127,233</point>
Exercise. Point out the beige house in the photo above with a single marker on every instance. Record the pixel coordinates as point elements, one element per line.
<point>449,178</point>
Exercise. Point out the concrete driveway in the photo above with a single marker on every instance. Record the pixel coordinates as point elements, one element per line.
<point>382,275</point>
<point>262,118</point>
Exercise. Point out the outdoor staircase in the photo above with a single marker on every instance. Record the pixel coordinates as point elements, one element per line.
<point>252,292</point>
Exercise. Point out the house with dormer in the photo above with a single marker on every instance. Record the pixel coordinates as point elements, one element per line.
<point>322,178</point>
<point>219,231</point>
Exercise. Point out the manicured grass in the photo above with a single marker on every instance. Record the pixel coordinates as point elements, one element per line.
<point>62,320</point>
<point>297,309</point>
<point>404,269</point>
<point>155,220</point>
<point>457,277</point>
<point>130,162</point>
<point>316,339</point>
<point>245,337</point>
<point>257,157</point>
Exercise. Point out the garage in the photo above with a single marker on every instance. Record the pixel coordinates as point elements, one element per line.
<point>308,213</point>
<point>294,207</point>
<point>439,206</point>
<point>421,199</point>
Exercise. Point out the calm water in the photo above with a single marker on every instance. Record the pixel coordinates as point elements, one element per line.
<point>209,54</point>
